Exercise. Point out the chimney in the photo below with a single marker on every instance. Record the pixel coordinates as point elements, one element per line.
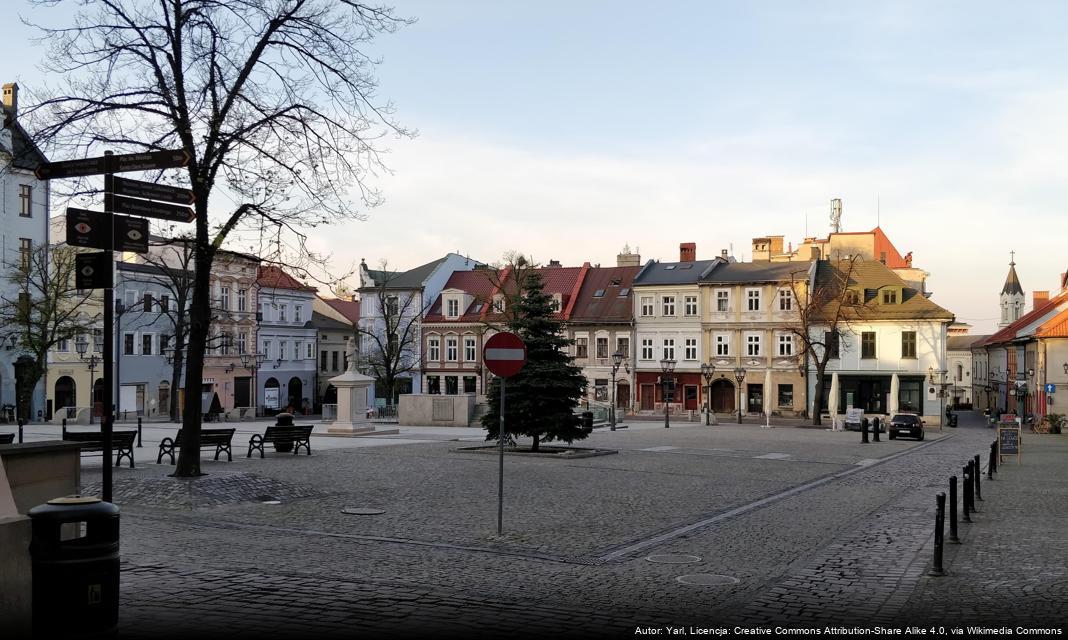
<point>687,251</point>
<point>628,259</point>
<point>1039,298</point>
<point>11,102</point>
<point>723,254</point>
<point>553,263</point>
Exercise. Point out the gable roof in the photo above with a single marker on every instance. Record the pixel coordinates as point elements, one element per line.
<point>1055,327</point>
<point>273,277</point>
<point>477,283</point>
<point>1009,333</point>
<point>610,306</point>
<point>874,275</point>
<point>963,343</point>
<point>24,153</point>
<point>410,279</point>
<point>348,308</point>
<point>325,322</point>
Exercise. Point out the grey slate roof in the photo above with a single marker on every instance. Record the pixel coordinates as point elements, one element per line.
<point>325,322</point>
<point>1012,281</point>
<point>662,273</point>
<point>962,343</point>
<point>758,272</point>
<point>24,154</point>
<point>410,279</point>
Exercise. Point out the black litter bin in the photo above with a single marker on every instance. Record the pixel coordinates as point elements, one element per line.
<point>75,552</point>
<point>587,420</point>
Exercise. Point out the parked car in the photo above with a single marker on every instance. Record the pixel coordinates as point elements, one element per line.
<point>907,424</point>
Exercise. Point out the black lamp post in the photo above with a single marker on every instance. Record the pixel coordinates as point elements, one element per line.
<point>707,369</point>
<point>942,384</point>
<point>617,360</point>
<point>739,376</point>
<point>252,362</point>
<point>81,346</point>
<point>667,367</point>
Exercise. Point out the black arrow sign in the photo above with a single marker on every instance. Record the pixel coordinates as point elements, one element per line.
<point>158,210</point>
<point>118,164</point>
<point>152,191</point>
<point>93,270</point>
<point>90,229</point>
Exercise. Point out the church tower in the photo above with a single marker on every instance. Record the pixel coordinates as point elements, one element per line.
<point>1012,296</point>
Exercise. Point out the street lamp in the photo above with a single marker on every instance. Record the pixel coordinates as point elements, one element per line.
<point>81,346</point>
<point>617,360</point>
<point>707,369</point>
<point>739,376</point>
<point>667,367</point>
<point>942,384</point>
<point>252,362</point>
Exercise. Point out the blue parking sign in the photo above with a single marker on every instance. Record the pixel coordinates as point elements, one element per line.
<point>1050,388</point>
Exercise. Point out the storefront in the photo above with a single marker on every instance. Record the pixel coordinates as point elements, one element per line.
<point>872,393</point>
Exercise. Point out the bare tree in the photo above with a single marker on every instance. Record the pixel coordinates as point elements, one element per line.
<point>274,101</point>
<point>43,308</point>
<point>825,304</point>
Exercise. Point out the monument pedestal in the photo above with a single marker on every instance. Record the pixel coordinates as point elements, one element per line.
<point>352,406</point>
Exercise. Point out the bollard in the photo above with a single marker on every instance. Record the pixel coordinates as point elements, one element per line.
<point>940,517</point>
<point>64,428</point>
<point>978,476</point>
<point>994,456</point>
<point>139,431</point>
<point>875,429</point>
<point>20,430</point>
<point>965,495</point>
<point>972,470</point>
<point>953,539</point>
<point>864,431</point>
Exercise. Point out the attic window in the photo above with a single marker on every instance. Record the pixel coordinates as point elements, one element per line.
<point>688,265</point>
<point>623,293</point>
<point>478,307</point>
<point>890,296</point>
<point>852,297</point>
<point>669,267</point>
<point>599,293</point>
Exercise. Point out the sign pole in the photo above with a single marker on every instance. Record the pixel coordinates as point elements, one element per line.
<point>500,475</point>
<point>107,420</point>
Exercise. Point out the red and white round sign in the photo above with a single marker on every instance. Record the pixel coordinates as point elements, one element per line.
<point>504,354</point>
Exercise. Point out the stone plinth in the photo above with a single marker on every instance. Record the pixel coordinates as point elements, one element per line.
<point>352,406</point>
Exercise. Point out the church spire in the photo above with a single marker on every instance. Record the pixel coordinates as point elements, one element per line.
<point>1012,281</point>
<point>1012,295</point>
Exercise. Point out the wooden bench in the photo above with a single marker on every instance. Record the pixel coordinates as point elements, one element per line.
<point>7,438</point>
<point>296,436</point>
<point>121,443</point>
<point>218,438</point>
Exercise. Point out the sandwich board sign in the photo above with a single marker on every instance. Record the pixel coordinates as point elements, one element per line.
<point>1008,441</point>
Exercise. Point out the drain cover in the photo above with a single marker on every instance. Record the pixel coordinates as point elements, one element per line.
<point>272,502</point>
<point>361,511</point>
<point>707,579</point>
<point>674,558</point>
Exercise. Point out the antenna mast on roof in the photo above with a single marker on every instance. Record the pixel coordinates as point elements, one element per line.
<point>836,215</point>
<point>878,216</point>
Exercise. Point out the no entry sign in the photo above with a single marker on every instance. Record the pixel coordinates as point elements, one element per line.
<point>504,354</point>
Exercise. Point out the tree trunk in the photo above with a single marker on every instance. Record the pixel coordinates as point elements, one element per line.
<point>188,464</point>
<point>176,380</point>
<point>534,446</point>
<point>817,401</point>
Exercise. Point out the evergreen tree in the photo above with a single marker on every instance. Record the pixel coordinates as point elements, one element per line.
<point>541,399</point>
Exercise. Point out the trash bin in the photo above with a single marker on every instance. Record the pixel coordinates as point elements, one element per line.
<point>587,420</point>
<point>74,547</point>
<point>283,420</point>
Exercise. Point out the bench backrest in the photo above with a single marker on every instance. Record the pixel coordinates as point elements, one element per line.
<point>124,438</point>
<point>301,431</point>
<point>209,436</point>
<point>7,438</point>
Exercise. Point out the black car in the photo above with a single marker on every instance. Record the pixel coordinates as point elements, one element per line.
<point>906,424</point>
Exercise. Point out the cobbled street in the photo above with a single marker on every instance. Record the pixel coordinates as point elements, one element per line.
<point>693,526</point>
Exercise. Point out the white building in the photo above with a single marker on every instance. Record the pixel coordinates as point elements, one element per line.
<point>287,335</point>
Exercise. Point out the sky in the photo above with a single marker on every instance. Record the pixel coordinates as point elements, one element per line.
<point>567,130</point>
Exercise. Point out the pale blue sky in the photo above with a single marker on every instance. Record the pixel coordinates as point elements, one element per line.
<point>566,129</point>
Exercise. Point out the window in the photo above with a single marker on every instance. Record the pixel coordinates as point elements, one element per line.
<point>647,349</point>
<point>753,297</point>
<point>557,303</point>
<point>148,302</point>
<point>668,303</point>
<point>786,300</point>
<point>469,348</point>
<point>267,351</point>
<point>451,387</point>
<point>81,339</point>
<point>25,201</point>
<point>224,298</point>
<point>599,293</point>
<point>24,307</point>
<point>600,390</point>
<point>242,299</point>
<point>723,344</point>
<point>98,340</point>
<point>128,345</point>
<point>131,298</point>
<point>908,344</point>
<point>433,349</point>
<point>623,346</point>
<point>283,313</point>
<point>786,395</point>
<point>960,373</point>
<point>309,352</point>
<point>498,303</point>
<point>146,344</point>
<point>298,313</point>
<point>647,306</point>
<point>723,300</point>
<point>63,345</point>
<point>831,342</point>
<point>433,385</point>
<point>298,348</point>
<point>752,342</point>
<point>164,342</point>
<point>867,344</point>
<point>469,384</point>
<point>691,305</point>
<point>852,298</point>
<point>602,347</point>
<point>890,296</point>
<point>453,306</point>
<point>164,303</point>
<point>323,359</point>
<point>451,349</point>
<point>691,348</point>
<point>669,348</point>
<point>333,361</point>
<point>582,348</point>
<point>242,342</point>
<point>25,249</point>
<point>283,349</point>
<point>786,344</point>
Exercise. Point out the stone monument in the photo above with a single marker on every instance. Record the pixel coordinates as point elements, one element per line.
<point>352,389</point>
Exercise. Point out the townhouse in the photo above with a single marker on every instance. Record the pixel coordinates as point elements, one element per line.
<point>335,322</point>
<point>287,377</point>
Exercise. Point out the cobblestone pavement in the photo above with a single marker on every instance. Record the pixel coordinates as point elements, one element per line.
<point>826,531</point>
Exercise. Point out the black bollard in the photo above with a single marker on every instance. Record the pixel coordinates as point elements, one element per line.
<point>139,431</point>
<point>940,517</point>
<point>966,491</point>
<point>20,430</point>
<point>64,428</point>
<point>864,431</point>
<point>875,429</point>
<point>993,458</point>
<point>978,476</point>
<point>953,539</point>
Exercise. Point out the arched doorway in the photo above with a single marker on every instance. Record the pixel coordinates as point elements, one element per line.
<point>66,393</point>
<point>271,397</point>
<point>98,397</point>
<point>722,395</point>
<point>296,397</point>
<point>163,395</point>
<point>330,396</point>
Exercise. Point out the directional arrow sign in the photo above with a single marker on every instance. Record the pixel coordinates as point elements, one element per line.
<point>118,164</point>
<point>152,191</point>
<point>90,229</point>
<point>93,270</point>
<point>159,210</point>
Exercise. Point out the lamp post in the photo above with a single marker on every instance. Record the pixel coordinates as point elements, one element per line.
<point>707,369</point>
<point>942,384</point>
<point>739,376</point>
<point>252,362</point>
<point>667,367</point>
<point>81,346</point>
<point>617,360</point>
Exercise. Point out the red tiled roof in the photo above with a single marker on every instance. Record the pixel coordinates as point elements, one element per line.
<point>1009,333</point>
<point>477,283</point>
<point>348,308</point>
<point>565,281</point>
<point>274,277</point>
<point>1055,327</point>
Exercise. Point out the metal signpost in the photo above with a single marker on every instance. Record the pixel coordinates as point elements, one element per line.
<point>107,231</point>
<point>504,355</point>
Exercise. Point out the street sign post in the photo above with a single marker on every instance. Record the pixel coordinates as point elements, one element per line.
<point>168,159</point>
<point>504,355</point>
<point>90,229</point>
<point>153,191</point>
<point>1051,388</point>
<point>150,209</point>
<point>93,270</point>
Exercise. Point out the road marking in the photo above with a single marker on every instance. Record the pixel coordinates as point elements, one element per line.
<point>659,449</point>
<point>867,462</point>
<point>772,456</point>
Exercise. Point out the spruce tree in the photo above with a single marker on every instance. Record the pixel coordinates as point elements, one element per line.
<point>541,398</point>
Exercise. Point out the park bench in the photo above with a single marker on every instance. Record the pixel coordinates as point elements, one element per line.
<point>7,438</point>
<point>121,442</point>
<point>283,437</point>
<point>218,438</point>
